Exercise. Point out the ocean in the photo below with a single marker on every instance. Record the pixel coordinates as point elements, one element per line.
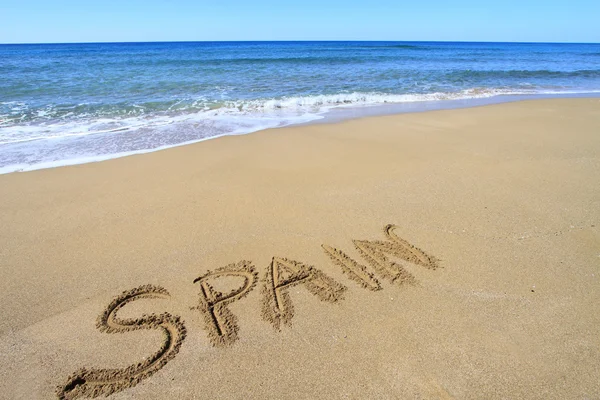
<point>63,104</point>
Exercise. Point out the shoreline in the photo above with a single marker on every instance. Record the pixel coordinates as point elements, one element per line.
<point>333,114</point>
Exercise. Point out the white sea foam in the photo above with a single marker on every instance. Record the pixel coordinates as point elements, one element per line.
<point>284,108</point>
<point>88,139</point>
<point>130,136</point>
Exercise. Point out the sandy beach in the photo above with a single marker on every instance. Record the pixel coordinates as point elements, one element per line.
<point>437,255</point>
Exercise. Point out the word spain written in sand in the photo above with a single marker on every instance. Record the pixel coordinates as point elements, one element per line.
<point>221,324</point>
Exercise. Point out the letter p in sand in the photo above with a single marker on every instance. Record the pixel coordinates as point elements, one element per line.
<point>219,321</point>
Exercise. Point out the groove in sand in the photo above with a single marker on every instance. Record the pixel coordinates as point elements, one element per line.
<point>104,382</point>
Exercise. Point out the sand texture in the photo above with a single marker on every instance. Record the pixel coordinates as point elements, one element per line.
<point>438,255</point>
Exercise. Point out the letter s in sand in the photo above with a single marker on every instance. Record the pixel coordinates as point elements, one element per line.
<point>103,382</point>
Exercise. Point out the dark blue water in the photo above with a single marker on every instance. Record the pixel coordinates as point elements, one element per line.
<point>69,103</point>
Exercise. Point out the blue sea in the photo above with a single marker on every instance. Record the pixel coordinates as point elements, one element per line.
<point>64,104</point>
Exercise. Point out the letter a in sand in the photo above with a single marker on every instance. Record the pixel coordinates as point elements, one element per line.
<point>282,274</point>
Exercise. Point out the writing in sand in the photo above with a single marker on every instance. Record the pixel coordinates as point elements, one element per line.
<point>222,325</point>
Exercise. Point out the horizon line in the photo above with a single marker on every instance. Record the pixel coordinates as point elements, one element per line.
<point>292,41</point>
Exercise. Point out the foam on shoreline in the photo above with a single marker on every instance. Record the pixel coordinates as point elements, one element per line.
<point>32,147</point>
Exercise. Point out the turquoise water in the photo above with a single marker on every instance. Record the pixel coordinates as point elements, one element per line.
<point>70,103</point>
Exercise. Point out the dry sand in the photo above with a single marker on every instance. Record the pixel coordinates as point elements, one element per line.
<point>247,243</point>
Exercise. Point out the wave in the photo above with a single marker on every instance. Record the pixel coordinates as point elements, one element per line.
<point>62,121</point>
<point>340,56</point>
<point>524,74</point>
<point>363,99</point>
<point>67,142</point>
<point>223,62</point>
<point>396,46</point>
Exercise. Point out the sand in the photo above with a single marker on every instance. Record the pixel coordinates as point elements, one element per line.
<point>446,254</point>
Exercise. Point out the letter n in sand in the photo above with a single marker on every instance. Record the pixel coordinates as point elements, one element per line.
<point>374,252</point>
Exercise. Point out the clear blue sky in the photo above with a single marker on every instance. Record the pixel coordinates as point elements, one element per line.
<point>41,21</point>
